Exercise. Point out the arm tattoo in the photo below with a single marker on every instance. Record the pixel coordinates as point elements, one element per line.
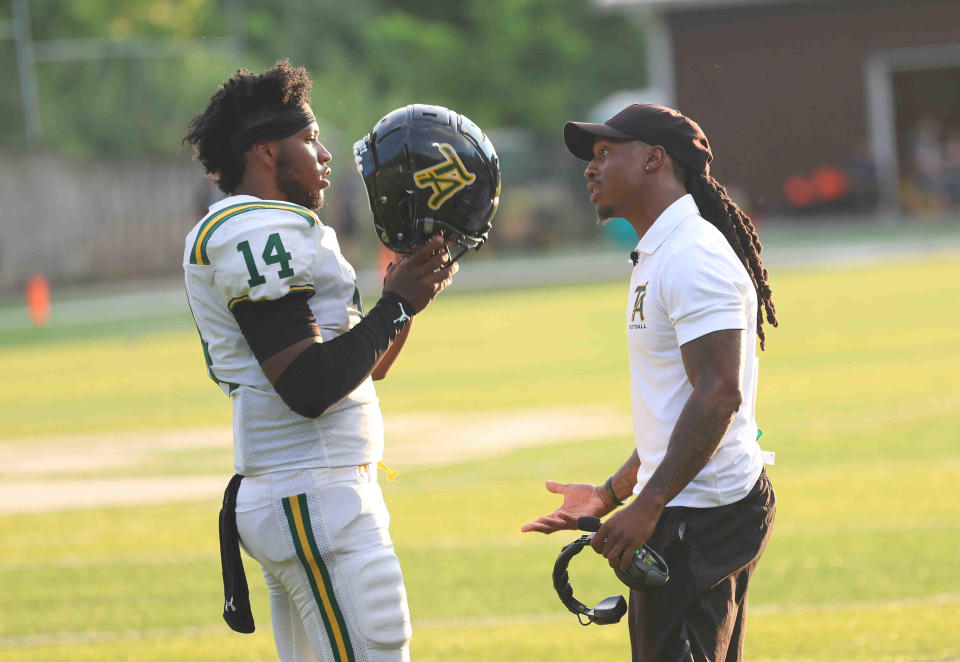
<point>713,365</point>
<point>625,478</point>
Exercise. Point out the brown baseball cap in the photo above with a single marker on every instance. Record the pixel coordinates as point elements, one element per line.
<point>679,135</point>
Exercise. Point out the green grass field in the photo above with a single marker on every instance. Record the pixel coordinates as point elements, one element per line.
<point>859,397</point>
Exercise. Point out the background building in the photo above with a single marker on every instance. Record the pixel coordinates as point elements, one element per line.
<point>816,105</point>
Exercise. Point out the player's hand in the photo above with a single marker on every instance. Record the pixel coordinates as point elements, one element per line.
<point>623,533</point>
<point>422,275</point>
<point>579,500</point>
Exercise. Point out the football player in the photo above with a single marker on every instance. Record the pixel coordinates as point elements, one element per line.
<point>285,336</point>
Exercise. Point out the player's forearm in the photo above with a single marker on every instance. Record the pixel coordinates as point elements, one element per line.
<point>624,479</point>
<point>696,436</point>
<point>386,361</point>
<point>325,373</point>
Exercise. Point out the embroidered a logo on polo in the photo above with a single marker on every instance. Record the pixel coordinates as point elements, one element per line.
<point>446,178</point>
<point>641,293</point>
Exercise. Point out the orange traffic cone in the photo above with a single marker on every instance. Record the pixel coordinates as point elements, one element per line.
<point>384,257</point>
<point>38,300</point>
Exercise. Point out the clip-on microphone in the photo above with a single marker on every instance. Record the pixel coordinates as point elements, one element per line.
<point>647,572</point>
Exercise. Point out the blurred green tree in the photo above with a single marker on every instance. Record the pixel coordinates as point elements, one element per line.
<point>116,76</point>
<point>125,76</point>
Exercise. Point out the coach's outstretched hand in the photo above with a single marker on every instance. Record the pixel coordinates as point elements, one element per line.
<point>422,275</point>
<point>579,500</point>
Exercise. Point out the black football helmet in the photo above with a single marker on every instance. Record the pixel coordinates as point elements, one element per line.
<point>428,169</point>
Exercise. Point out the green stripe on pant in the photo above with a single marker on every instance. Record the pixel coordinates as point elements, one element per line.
<point>298,517</point>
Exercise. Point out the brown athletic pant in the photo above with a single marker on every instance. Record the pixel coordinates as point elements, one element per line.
<point>700,614</point>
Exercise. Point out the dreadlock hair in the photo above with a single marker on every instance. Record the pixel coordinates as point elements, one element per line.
<point>722,212</point>
<point>244,98</point>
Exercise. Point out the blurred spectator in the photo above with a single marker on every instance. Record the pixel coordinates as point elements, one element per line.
<point>830,184</point>
<point>340,212</point>
<point>798,192</point>
<point>924,191</point>
<point>862,170</point>
<point>951,167</point>
<point>827,189</point>
<point>206,194</point>
<point>848,188</point>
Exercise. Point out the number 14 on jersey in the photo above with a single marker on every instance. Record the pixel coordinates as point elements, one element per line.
<point>273,253</point>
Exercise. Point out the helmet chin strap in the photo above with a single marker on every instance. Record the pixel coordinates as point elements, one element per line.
<point>453,258</point>
<point>429,226</point>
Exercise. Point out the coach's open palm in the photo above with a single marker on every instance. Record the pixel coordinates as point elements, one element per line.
<point>579,500</point>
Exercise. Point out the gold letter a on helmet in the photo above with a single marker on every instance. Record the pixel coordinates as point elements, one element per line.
<point>445,178</point>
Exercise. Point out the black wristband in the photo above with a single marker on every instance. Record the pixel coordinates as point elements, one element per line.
<point>401,311</point>
<point>610,493</point>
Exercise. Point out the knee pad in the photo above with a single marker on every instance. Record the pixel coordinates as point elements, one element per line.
<point>381,599</point>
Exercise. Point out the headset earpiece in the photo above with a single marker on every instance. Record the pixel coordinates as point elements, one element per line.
<point>607,611</point>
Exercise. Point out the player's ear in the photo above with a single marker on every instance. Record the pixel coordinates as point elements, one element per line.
<point>266,153</point>
<point>656,158</point>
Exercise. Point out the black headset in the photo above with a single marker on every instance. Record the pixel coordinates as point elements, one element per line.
<point>647,572</point>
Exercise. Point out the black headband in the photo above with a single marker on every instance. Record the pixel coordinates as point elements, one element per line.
<point>275,125</point>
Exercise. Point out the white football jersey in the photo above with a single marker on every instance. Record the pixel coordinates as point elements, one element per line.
<point>248,249</point>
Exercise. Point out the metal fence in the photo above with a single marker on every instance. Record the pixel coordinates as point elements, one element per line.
<point>79,222</point>
<point>101,220</point>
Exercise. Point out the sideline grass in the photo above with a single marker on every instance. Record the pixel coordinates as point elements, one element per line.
<point>859,397</point>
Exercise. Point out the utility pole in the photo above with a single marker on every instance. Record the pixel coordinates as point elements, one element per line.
<point>234,11</point>
<point>26,71</point>
<point>30,52</point>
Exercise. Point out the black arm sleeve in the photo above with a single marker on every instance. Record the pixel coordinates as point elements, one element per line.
<point>324,373</point>
<point>272,325</point>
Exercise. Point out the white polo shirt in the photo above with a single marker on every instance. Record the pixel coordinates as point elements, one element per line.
<point>687,283</point>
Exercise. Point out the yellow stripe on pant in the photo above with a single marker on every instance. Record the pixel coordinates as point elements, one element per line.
<point>298,517</point>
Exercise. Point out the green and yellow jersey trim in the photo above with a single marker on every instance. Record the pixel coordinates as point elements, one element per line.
<point>298,518</point>
<point>198,254</point>
<point>293,288</point>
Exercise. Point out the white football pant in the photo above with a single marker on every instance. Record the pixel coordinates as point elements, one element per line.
<point>336,592</point>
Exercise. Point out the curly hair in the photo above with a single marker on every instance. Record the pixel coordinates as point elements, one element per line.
<point>244,98</point>
<point>716,206</point>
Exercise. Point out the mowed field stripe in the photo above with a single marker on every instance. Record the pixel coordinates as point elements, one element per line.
<point>445,544</point>
<point>36,474</point>
<point>24,496</point>
<point>107,636</point>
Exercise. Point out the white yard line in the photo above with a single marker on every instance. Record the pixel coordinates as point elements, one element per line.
<point>29,468</point>
<point>46,495</point>
<point>84,453</point>
<point>944,599</point>
<point>106,636</point>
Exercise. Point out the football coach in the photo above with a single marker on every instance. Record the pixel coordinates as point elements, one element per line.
<point>694,313</point>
